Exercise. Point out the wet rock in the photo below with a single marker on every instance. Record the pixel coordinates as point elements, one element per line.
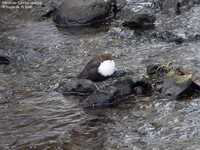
<point>121,90</point>
<point>194,90</point>
<point>168,5</point>
<point>175,84</point>
<point>152,69</point>
<point>184,4</point>
<point>161,80</point>
<point>5,60</point>
<point>156,71</point>
<point>195,79</point>
<point>118,92</point>
<point>167,36</point>
<point>139,19</point>
<point>193,37</point>
<point>50,11</point>
<point>78,87</point>
<point>142,85</point>
<point>124,86</point>
<point>197,36</point>
<point>110,99</point>
<point>135,16</point>
<point>78,13</point>
<point>98,100</point>
<point>196,1</point>
<point>173,5</point>
<point>119,73</point>
<point>171,83</point>
<point>183,70</point>
<point>196,83</point>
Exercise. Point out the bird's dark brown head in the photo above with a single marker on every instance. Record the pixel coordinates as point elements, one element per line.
<point>104,57</point>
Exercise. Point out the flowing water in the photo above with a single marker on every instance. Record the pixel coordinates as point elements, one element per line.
<point>34,116</point>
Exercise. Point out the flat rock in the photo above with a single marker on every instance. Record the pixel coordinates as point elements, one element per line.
<point>78,87</point>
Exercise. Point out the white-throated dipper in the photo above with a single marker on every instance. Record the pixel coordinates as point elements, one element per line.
<point>99,69</point>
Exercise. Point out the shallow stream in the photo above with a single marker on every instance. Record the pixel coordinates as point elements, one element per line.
<point>34,116</point>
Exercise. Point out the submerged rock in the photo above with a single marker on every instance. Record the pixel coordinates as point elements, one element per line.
<point>173,5</point>
<point>167,36</point>
<point>139,19</point>
<point>134,16</point>
<point>79,12</point>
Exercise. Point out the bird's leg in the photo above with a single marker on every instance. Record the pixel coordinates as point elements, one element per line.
<point>97,87</point>
<point>106,86</point>
<point>100,91</point>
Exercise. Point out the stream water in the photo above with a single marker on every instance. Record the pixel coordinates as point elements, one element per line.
<point>34,116</point>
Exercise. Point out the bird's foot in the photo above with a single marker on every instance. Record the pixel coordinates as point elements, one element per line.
<point>102,91</point>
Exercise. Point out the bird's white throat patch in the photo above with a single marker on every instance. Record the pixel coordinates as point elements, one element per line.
<point>107,68</point>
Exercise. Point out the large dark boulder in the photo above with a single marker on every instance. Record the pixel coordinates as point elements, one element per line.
<point>81,12</point>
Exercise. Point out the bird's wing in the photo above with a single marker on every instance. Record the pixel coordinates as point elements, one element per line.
<point>91,68</point>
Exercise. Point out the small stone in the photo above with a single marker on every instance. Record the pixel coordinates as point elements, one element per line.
<point>2,88</point>
<point>78,129</point>
<point>60,69</point>
<point>4,60</point>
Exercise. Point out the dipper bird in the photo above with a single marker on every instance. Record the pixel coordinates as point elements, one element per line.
<point>99,69</point>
